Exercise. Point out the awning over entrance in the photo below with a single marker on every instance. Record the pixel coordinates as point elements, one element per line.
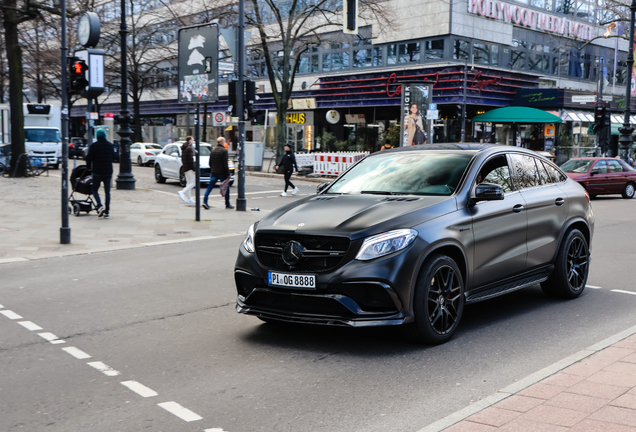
<point>515,114</point>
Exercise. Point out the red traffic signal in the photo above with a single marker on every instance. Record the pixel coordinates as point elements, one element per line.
<point>77,78</point>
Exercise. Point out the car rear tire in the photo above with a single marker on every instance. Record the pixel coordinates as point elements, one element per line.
<point>571,268</point>
<point>139,161</point>
<point>159,178</point>
<point>439,301</point>
<point>628,191</point>
<point>182,179</point>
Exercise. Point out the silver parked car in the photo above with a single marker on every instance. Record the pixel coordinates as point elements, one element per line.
<point>168,164</point>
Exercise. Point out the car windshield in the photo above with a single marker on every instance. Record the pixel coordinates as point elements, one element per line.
<point>42,135</point>
<point>577,165</point>
<point>405,173</point>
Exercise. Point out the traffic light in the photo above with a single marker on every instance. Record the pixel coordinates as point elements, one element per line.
<point>599,118</point>
<point>231,98</point>
<point>350,16</point>
<point>258,118</point>
<point>248,101</point>
<point>77,76</point>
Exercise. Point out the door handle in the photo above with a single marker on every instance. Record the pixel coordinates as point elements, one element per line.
<point>559,201</point>
<point>518,208</point>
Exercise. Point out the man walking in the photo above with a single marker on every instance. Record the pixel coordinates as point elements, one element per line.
<point>187,164</point>
<point>218,171</point>
<point>99,161</point>
<point>289,163</point>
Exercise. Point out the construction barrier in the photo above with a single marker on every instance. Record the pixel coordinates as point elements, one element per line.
<point>335,163</point>
<point>304,159</point>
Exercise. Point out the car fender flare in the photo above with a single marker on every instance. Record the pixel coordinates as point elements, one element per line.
<point>567,227</point>
<point>430,250</point>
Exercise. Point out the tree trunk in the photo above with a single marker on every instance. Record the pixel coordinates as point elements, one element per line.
<point>14,62</point>
<point>136,120</point>
<point>281,132</point>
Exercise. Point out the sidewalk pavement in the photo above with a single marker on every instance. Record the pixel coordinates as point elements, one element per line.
<point>30,220</point>
<point>591,391</point>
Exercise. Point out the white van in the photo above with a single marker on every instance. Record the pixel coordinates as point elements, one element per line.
<point>42,136</point>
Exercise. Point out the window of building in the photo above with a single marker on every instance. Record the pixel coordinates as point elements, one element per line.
<point>518,59</point>
<point>362,58</point>
<point>391,54</point>
<point>434,49</point>
<point>538,62</point>
<point>409,52</point>
<point>461,49</point>
<point>377,56</point>
<point>542,4</point>
<point>485,54</point>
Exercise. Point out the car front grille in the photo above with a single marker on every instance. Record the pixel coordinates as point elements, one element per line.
<point>321,253</point>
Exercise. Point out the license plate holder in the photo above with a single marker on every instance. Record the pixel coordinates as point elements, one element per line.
<point>295,281</point>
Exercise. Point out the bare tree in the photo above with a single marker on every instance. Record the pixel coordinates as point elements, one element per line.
<point>288,29</point>
<point>4,71</point>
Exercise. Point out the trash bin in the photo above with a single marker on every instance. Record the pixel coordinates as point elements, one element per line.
<point>254,155</point>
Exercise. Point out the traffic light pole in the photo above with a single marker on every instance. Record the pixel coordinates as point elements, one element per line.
<point>241,202</point>
<point>65,230</point>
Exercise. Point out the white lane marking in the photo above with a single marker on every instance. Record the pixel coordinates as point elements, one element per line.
<point>181,412</point>
<point>10,314</point>
<point>105,369</point>
<point>214,430</point>
<point>29,325</point>
<point>592,286</point>
<point>624,292</point>
<point>58,341</point>
<point>77,353</point>
<point>140,389</point>
<point>1,307</point>
<point>48,336</point>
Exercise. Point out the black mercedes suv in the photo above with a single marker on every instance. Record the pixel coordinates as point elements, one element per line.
<point>409,236</point>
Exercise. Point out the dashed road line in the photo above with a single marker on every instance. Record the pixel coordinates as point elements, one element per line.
<point>104,368</point>
<point>1,307</point>
<point>29,325</point>
<point>214,430</point>
<point>77,353</point>
<point>181,412</point>
<point>140,389</point>
<point>625,292</point>
<point>10,314</point>
<point>592,286</point>
<point>50,337</point>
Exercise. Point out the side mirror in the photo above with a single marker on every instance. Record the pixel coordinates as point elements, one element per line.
<point>488,192</point>
<point>322,186</point>
<point>595,171</point>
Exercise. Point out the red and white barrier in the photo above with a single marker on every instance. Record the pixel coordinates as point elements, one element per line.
<point>336,163</point>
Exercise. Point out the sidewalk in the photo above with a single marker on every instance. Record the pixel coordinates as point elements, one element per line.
<point>30,220</point>
<point>591,391</point>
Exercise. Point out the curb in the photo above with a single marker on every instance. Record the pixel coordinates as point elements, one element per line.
<point>534,378</point>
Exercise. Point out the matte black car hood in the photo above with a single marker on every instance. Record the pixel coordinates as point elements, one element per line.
<point>355,216</point>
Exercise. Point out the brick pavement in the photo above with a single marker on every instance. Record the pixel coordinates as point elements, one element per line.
<point>592,391</point>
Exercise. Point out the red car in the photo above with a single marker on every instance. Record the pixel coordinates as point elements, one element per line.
<point>602,176</point>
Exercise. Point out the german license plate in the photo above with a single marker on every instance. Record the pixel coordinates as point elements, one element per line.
<point>292,281</point>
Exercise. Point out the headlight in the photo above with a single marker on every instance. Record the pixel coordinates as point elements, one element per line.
<point>385,243</point>
<point>248,243</point>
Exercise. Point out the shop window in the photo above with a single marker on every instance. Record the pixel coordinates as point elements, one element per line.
<point>518,59</point>
<point>461,49</point>
<point>377,56</point>
<point>538,62</point>
<point>434,49</point>
<point>409,52</point>
<point>362,58</point>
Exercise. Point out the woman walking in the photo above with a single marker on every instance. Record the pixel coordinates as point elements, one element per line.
<point>187,164</point>
<point>289,163</point>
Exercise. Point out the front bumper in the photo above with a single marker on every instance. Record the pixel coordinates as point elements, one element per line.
<point>354,294</point>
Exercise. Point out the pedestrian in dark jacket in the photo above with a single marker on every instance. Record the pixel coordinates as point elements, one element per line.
<point>219,171</point>
<point>99,161</point>
<point>187,165</point>
<point>288,163</point>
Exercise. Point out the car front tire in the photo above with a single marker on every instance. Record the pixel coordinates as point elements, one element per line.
<point>571,268</point>
<point>139,161</point>
<point>439,301</point>
<point>182,179</point>
<point>159,178</point>
<point>628,191</point>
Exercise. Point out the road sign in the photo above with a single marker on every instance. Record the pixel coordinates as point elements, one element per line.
<point>432,106</point>
<point>94,116</point>
<point>218,118</point>
<point>432,114</point>
<point>198,64</point>
<point>226,66</point>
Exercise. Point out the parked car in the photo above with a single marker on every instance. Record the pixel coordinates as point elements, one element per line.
<point>144,153</point>
<point>76,148</point>
<point>168,164</point>
<point>409,236</point>
<point>602,176</point>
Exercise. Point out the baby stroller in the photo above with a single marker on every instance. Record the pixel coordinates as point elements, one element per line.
<point>82,183</point>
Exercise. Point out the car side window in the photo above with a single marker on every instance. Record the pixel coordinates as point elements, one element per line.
<point>525,171</point>
<point>614,166</point>
<point>544,175</point>
<point>557,176</point>
<point>601,167</point>
<point>135,146</point>
<point>174,151</point>
<point>496,171</point>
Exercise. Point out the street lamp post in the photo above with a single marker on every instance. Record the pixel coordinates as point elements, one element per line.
<point>125,179</point>
<point>627,129</point>
<point>65,230</point>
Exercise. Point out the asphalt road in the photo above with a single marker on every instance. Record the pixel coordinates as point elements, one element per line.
<point>164,317</point>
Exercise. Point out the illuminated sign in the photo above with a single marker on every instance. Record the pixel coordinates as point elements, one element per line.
<point>530,18</point>
<point>295,118</point>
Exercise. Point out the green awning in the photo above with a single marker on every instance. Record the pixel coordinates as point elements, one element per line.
<point>521,115</point>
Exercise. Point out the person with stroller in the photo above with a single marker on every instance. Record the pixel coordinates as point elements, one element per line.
<point>289,163</point>
<point>99,161</point>
<point>187,163</point>
<point>219,170</point>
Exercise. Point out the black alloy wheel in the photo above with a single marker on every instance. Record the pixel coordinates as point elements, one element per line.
<point>571,268</point>
<point>439,301</point>
<point>628,191</point>
<point>159,178</point>
<point>182,180</point>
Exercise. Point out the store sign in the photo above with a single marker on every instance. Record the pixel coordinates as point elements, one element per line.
<point>295,118</point>
<point>481,83</point>
<point>584,99</point>
<point>530,18</point>
<point>304,104</point>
